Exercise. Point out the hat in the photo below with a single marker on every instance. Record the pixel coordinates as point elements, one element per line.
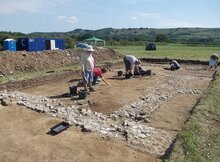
<point>89,48</point>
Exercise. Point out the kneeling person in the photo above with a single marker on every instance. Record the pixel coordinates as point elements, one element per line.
<point>98,72</point>
<point>213,62</point>
<point>174,65</point>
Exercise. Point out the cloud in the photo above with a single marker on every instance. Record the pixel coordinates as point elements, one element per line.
<point>72,19</point>
<point>14,6</point>
<point>133,18</point>
<point>61,17</point>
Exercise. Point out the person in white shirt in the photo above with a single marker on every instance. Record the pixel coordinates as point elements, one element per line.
<point>174,65</point>
<point>130,61</point>
<point>87,65</point>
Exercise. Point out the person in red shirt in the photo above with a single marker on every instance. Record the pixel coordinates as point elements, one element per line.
<point>98,72</point>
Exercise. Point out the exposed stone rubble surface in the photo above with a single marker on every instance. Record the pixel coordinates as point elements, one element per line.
<point>129,123</point>
<point>153,98</point>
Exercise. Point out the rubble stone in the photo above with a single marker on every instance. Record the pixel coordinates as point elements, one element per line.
<point>127,123</point>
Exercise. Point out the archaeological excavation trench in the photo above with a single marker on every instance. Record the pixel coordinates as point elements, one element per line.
<point>145,113</point>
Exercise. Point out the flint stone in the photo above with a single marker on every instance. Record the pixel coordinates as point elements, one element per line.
<point>103,132</point>
<point>88,128</point>
<point>113,117</point>
<point>125,123</point>
<point>142,136</point>
<point>5,102</point>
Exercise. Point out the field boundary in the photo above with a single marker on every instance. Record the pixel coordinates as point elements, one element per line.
<point>166,60</point>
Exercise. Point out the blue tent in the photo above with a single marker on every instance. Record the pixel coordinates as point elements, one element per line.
<point>81,45</point>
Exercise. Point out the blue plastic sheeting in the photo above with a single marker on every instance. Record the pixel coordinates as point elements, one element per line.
<point>81,45</point>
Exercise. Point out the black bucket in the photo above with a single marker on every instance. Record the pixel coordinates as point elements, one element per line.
<point>73,90</point>
<point>128,76</point>
<point>120,73</point>
<point>82,94</point>
<point>148,72</point>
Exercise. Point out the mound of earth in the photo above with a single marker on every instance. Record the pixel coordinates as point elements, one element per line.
<point>23,61</point>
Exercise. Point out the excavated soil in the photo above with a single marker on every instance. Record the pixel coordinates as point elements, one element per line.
<point>24,138</point>
<point>133,119</point>
<point>165,99</point>
<point>22,61</point>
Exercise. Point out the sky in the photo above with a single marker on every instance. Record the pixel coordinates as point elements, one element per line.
<point>28,16</point>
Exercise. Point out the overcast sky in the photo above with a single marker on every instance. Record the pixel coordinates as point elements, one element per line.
<point>66,15</point>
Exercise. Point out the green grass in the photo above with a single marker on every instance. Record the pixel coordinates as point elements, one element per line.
<point>200,140</point>
<point>22,76</point>
<point>172,51</point>
<point>29,75</point>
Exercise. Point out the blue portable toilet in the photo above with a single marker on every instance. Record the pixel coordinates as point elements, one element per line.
<point>60,43</point>
<point>10,44</point>
<point>31,44</point>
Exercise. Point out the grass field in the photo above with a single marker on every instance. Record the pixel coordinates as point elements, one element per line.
<point>200,139</point>
<point>172,51</point>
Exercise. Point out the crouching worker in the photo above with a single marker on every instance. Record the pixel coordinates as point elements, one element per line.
<point>138,70</point>
<point>213,62</point>
<point>174,65</point>
<point>98,72</point>
<point>130,61</point>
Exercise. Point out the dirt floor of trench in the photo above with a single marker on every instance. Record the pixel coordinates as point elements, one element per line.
<point>23,132</point>
<point>109,98</point>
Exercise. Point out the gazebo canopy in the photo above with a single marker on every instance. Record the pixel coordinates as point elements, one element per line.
<point>94,40</point>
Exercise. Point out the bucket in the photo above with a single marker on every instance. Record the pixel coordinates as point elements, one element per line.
<point>120,73</point>
<point>73,90</point>
<point>128,76</point>
<point>82,94</point>
<point>148,72</point>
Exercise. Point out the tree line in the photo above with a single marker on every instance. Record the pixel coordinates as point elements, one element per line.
<point>127,37</point>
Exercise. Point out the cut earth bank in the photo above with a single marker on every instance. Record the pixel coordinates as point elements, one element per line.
<point>143,113</point>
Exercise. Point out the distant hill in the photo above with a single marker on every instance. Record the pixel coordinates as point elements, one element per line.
<point>180,35</point>
<point>175,35</point>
